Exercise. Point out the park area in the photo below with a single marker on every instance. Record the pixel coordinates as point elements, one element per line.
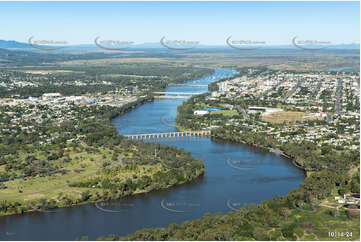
<point>284,117</point>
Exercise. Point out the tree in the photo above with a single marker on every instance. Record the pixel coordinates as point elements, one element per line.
<point>85,195</point>
<point>284,213</point>
<point>334,212</point>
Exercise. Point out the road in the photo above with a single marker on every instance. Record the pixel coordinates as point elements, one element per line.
<point>338,96</point>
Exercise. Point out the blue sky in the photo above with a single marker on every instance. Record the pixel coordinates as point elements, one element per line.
<point>207,22</point>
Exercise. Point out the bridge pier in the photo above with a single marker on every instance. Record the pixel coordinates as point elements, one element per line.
<point>188,135</point>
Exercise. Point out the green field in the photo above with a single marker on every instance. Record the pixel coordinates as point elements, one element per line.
<point>81,176</point>
<point>227,113</point>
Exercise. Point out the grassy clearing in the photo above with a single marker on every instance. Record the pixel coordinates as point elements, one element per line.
<point>82,165</point>
<point>283,117</point>
<point>107,174</point>
<point>45,72</point>
<point>111,61</point>
<point>52,187</point>
<point>323,222</point>
<point>227,113</point>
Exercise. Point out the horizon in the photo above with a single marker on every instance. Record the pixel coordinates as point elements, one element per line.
<point>209,23</point>
<point>153,45</point>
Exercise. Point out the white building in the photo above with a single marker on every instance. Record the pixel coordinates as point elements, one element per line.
<point>215,94</point>
<point>223,86</point>
<point>49,96</point>
<point>200,112</point>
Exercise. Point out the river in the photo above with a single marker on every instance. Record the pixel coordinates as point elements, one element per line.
<point>225,186</point>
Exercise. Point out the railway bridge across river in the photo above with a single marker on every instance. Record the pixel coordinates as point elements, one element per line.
<point>170,135</point>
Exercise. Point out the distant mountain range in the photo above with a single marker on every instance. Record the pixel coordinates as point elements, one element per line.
<point>12,44</point>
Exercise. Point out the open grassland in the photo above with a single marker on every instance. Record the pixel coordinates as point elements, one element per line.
<point>274,59</point>
<point>51,187</point>
<point>227,113</point>
<point>86,174</point>
<point>80,166</point>
<point>43,72</point>
<point>317,225</point>
<point>319,64</point>
<point>107,61</point>
<point>283,117</point>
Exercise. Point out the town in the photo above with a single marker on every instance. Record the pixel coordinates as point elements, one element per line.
<point>316,107</point>
<point>25,115</point>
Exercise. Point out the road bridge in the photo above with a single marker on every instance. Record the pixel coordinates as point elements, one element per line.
<point>178,93</point>
<point>189,85</point>
<point>170,135</point>
<point>171,96</point>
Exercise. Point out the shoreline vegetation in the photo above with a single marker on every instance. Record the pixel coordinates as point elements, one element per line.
<point>272,150</point>
<point>181,177</point>
<point>141,164</point>
<point>280,218</point>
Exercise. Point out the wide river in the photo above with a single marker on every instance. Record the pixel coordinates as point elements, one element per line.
<point>226,186</point>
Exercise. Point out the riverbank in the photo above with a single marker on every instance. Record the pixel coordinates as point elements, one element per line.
<point>78,183</point>
<point>324,180</point>
<point>125,196</point>
<point>47,199</point>
<point>210,194</point>
<point>275,219</point>
<point>272,150</point>
<point>150,179</point>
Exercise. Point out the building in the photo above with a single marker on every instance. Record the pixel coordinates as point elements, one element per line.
<point>50,96</point>
<point>223,86</point>
<point>265,110</point>
<point>215,94</point>
<point>200,112</point>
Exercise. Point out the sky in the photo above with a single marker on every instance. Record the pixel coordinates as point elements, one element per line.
<point>210,23</point>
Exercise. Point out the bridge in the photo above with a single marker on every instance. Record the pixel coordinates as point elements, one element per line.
<point>189,85</point>
<point>178,93</point>
<point>172,96</point>
<point>170,135</point>
<point>175,94</point>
